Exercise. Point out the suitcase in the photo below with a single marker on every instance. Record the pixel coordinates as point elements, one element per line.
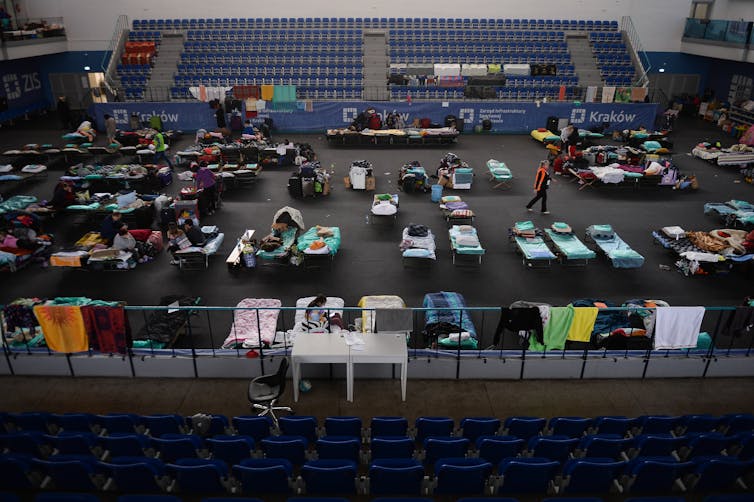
<point>552,124</point>
<point>166,216</point>
<point>236,123</point>
<point>295,187</point>
<point>165,176</point>
<point>307,187</point>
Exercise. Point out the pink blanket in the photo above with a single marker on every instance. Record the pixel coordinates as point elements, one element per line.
<point>251,327</point>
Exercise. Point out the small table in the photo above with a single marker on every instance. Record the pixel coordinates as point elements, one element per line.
<point>380,348</point>
<point>320,348</point>
<point>234,258</point>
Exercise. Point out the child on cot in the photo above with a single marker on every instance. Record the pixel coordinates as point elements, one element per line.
<point>316,318</point>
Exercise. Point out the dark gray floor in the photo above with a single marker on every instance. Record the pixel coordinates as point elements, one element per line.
<point>369,261</point>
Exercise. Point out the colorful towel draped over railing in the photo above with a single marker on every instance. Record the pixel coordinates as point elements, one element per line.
<point>107,329</point>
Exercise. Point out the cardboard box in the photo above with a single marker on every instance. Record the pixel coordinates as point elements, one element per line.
<point>371,183</point>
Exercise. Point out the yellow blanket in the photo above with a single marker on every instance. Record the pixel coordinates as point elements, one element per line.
<point>267,92</point>
<point>582,324</point>
<point>63,328</point>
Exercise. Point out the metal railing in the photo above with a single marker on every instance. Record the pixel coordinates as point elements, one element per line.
<point>638,54</point>
<point>217,327</point>
<point>115,47</point>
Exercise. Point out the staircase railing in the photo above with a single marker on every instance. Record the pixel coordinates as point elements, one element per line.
<point>114,48</point>
<point>638,54</point>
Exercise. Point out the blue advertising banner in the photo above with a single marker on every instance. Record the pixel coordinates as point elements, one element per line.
<point>505,117</point>
<point>21,88</point>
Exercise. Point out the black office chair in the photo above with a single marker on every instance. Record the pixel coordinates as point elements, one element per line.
<point>265,390</point>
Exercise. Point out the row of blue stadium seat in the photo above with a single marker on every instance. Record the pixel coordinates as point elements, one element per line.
<point>384,22</point>
<point>182,92</point>
<point>290,50</point>
<point>277,45</point>
<point>423,45</point>
<point>271,61</point>
<point>609,47</point>
<point>617,70</point>
<point>624,81</point>
<point>288,71</point>
<point>424,34</point>
<point>447,475</point>
<point>468,58</point>
<point>601,36</point>
<point>613,59</point>
<point>145,36</point>
<point>133,81</point>
<point>425,426</point>
<point>143,69</point>
<point>528,93</point>
<point>274,34</point>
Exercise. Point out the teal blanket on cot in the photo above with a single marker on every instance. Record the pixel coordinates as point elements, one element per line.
<point>333,241</point>
<point>534,248</point>
<point>17,203</point>
<point>288,237</point>
<point>570,246</point>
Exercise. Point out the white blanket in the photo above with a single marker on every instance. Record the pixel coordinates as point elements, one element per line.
<point>608,174</point>
<point>677,327</point>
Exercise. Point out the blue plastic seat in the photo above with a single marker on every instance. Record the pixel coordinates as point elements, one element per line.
<point>462,476</point>
<point>66,497</point>
<point>523,427</point>
<point>31,443</point>
<point>299,425</point>
<point>329,477</point>
<point>496,448</point>
<point>613,425</point>
<point>657,424</point>
<point>343,426</point>
<point>657,445</point>
<point>654,474</point>
<point>291,448</point>
<point>78,422</point>
<point>590,475</point>
<point>436,448</point>
<point>174,446</point>
<point>264,475</point>
<point>339,447</point>
<point>604,445</point>
<point>199,475</point>
<point>717,473</point>
<point>708,444</point>
<point>157,425</point>
<point>556,448</point>
<point>395,476</point>
<point>392,447</point>
<point>473,427</point>
<point>71,472</point>
<point>137,474</point>
<point>738,422</point>
<point>17,472</point>
<point>432,426</point>
<point>526,475</point>
<point>569,426</point>
<point>74,443</point>
<point>30,421</point>
<point>231,449</point>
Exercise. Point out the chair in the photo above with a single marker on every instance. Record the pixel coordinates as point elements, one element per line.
<point>523,427</point>
<point>71,472</point>
<point>343,426</point>
<point>717,473</point>
<point>656,445</point>
<point>174,446</point>
<point>74,443</point>
<point>738,422</point>
<point>657,424</point>
<point>748,497</point>
<point>395,476</point>
<point>603,445</point>
<point>590,475</point>
<point>66,497</point>
<point>573,427</point>
<point>125,444</point>
<point>556,448</point>
<point>432,426</point>
<point>264,475</point>
<point>291,448</point>
<point>525,475</point>
<point>746,443</point>
<point>218,424</point>
<point>265,390</point>
<point>329,476</point>
<point>708,444</point>
<point>461,476</point>
<point>138,474</point>
<point>152,498</point>
<point>391,447</point>
<point>28,443</point>
<point>239,499</point>
<point>79,422</point>
<point>231,449</point>
<point>302,425</point>
<point>613,425</point>
<point>199,475</point>
<point>157,425</point>
<point>654,474</point>
<point>496,448</point>
<point>388,426</point>
<point>255,427</point>
<point>30,421</point>
<point>17,473</point>
<point>436,448</point>
<point>119,422</point>
<point>339,447</point>
<point>473,427</point>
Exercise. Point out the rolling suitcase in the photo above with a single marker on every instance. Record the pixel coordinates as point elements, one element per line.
<point>166,216</point>
<point>236,123</point>
<point>295,187</point>
<point>307,187</point>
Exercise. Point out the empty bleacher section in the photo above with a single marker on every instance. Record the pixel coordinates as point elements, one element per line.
<point>324,58</point>
<point>136,62</point>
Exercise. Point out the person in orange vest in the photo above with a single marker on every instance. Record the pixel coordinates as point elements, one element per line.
<point>541,184</point>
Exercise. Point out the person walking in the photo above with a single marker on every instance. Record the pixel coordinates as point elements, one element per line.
<point>64,113</point>
<point>541,184</point>
<point>111,127</point>
<point>160,148</point>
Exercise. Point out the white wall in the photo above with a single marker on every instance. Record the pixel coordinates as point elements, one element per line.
<point>733,10</point>
<point>90,23</point>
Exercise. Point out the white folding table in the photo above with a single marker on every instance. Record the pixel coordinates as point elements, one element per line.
<point>380,348</point>
<point>319,348</point>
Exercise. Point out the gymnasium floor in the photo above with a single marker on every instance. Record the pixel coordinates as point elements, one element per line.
<point>369,260</point>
